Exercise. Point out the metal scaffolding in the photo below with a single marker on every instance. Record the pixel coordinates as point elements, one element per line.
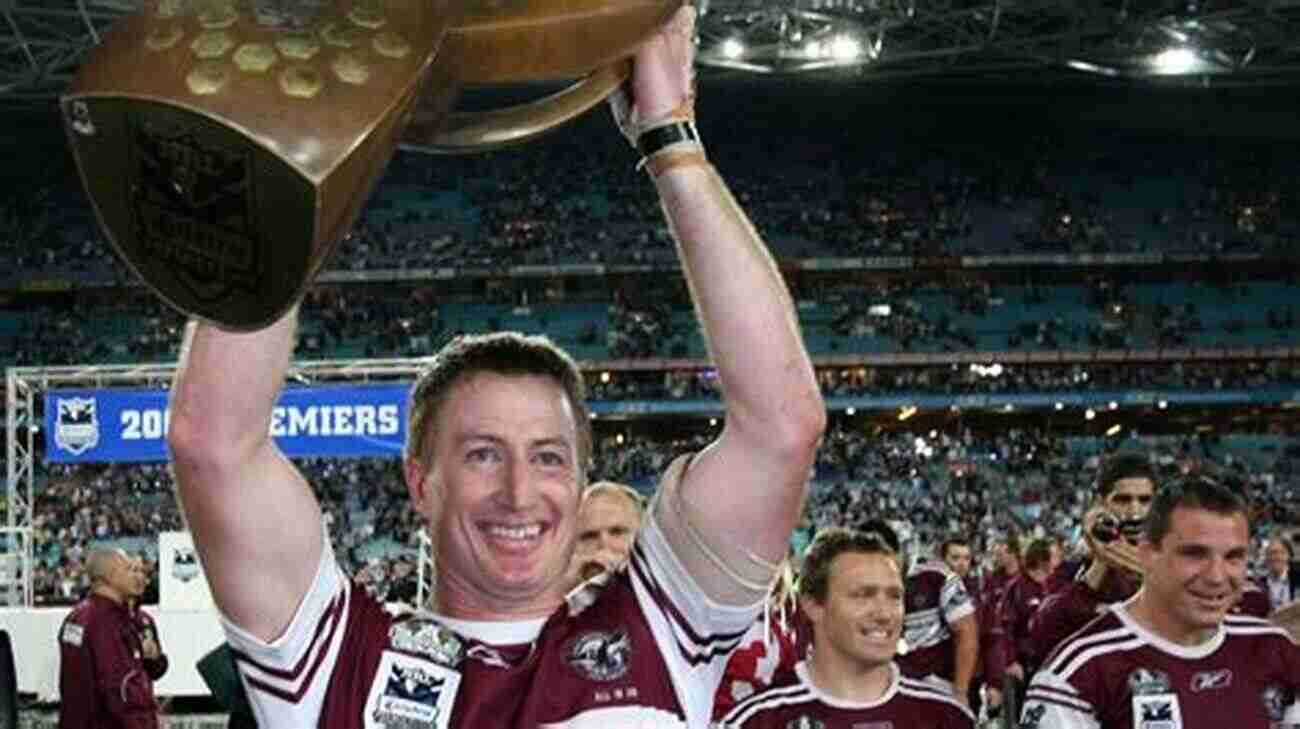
<point>25,393</point>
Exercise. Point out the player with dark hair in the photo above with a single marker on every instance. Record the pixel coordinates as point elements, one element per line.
<point>1174,656</point>
<point>1012,652</point>
<point>1111,571</point>
<point>496,459</point>
<point>941,629</point>
<point>852,593</point>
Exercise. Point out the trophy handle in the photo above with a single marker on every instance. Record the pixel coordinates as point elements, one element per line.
<point>482,131</point>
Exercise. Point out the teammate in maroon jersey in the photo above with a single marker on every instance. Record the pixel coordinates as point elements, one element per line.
<point>497,450</point>
<point>852,593</point>
<point>940,629</point>
<point>1011,651</point>
<point>1174,656</point>
<point>1111,572</point>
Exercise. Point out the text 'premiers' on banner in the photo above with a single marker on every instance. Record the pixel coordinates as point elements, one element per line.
<point>96,426</point>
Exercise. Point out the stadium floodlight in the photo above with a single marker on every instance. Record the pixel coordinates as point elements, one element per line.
<point>1176,61</point>
<point>845,48</point>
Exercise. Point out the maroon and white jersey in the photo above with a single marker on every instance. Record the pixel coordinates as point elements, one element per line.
<point>1012,642</point>
<point>1114,674</point>
<point>795,703</point>
<point>344,663</point>
<point>1072,604</point>
<point>936,598</point>
<point>769,649</point>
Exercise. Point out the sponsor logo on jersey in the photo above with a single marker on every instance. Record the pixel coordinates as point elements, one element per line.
<point>1156,711</point>
<point>410,693</point>
<point>804,722</point>
<point>600,655</point>
<point>76,429</point>
<point>1032,716</point>
<point>1211,680</point>
<point>428,638</point>
<point>1143,682</point>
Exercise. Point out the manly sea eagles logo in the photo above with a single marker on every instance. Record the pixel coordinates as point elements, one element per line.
<point>600,656</point>
<point>1274,702</point>
<point>185,565</point>
<point>805,722</point>
<point>76,430</point>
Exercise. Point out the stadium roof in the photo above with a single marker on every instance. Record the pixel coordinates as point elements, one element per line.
<point>1219,42</point>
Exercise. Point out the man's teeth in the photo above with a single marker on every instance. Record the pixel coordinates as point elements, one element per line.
<point>520,532</point>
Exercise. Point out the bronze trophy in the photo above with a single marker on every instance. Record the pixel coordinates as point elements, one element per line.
<point>227,146</point>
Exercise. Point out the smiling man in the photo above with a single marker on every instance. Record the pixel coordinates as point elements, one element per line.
<point>496,458</point>
<point>1174,656</point>
<point>852,593</point>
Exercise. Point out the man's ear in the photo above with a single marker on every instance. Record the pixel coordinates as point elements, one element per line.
<point>811,608</point>
<point>418,483</point>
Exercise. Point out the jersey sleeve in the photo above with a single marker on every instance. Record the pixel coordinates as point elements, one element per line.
<point>286,679</point>
<point>954,600</point>
<point>1054,703</point>
<point>695,635</point>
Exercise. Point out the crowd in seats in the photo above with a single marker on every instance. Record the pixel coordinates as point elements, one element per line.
<point>577,199</point>
<point>1020,482</point>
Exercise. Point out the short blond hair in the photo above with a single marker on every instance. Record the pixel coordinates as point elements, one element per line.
<point>503,353</point>
<point>614,488</point>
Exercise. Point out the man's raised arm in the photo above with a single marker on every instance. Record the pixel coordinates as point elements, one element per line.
<point>255,521</point>
<point>738,502</point>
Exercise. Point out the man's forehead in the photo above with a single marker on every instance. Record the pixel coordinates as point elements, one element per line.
<point>866,567</point>
<point>1133,486</point>
<point>607,506</point>
<point>1191,525</point>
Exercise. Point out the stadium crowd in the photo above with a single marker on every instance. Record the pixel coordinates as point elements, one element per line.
<point>1020,483</point>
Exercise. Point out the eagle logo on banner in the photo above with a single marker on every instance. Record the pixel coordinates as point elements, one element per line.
<point>185,565</point>
<point>76,426</point>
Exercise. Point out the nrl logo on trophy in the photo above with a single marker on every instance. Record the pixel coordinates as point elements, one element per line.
<point>192,211</point>
<point>76,428</point>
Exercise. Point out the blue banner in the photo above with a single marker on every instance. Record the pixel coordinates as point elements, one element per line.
<point>97,426</point>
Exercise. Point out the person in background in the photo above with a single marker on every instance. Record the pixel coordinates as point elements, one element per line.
<point>940,629</point>
<point>852,594</point>
<point>1174,655</point>
<point>1110,572</point>
<point>107,664</point>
